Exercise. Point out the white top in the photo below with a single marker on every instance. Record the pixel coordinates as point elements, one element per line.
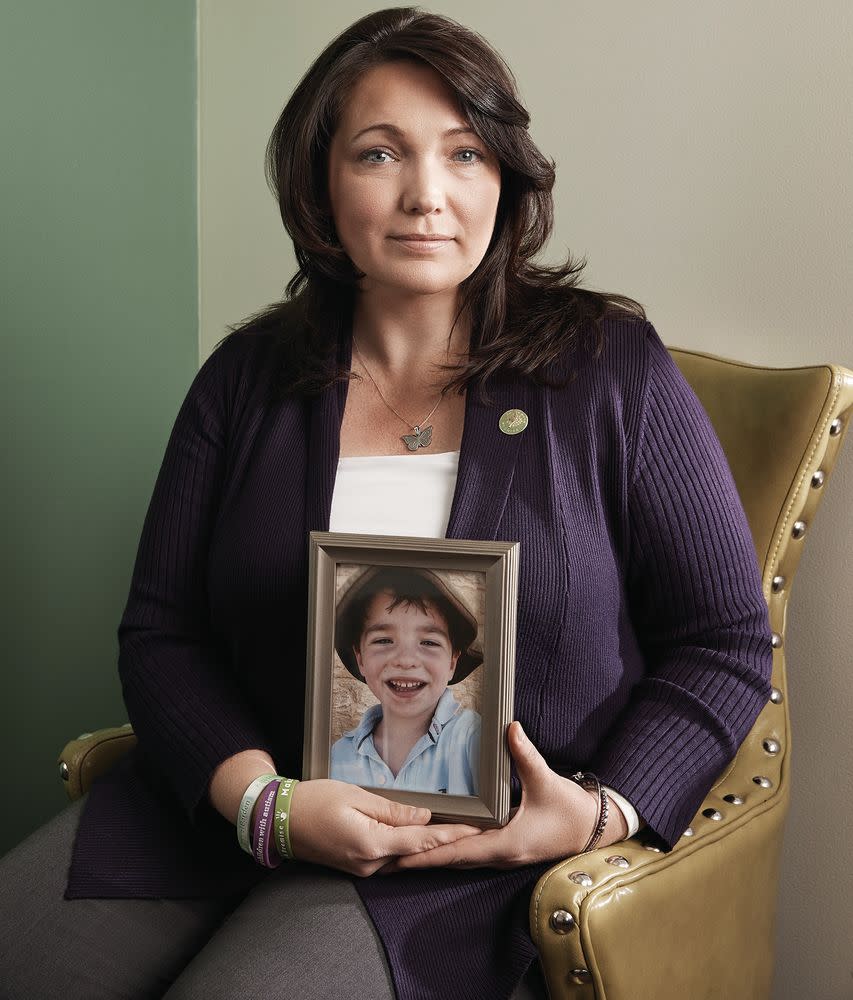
<point>395,494</point>
<point>408,495</point>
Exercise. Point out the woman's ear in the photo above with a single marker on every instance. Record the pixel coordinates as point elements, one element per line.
<point>332,233</point>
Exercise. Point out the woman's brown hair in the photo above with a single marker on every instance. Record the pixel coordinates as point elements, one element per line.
<point>523,315</point>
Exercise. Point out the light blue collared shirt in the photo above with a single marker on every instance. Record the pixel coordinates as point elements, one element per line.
<point>445,759</point>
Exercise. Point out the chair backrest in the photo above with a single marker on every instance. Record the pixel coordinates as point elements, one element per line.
<point>781,429</point>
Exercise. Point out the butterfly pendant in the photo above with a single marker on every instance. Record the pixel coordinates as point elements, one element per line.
<point>420,438</point>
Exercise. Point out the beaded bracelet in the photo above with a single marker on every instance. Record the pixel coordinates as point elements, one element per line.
<point>588,781</point>
<point>282,818</point>
<point>247,804</point>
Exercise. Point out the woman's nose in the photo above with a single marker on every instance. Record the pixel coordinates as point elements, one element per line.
<point>423,192</point>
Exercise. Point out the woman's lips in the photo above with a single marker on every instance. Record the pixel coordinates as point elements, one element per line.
<point>421,246</point>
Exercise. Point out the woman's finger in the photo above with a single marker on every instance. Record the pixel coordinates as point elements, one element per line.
<point>468,852</point>
<point>391,813</point>
<point>415,840</point>
<point>383,810</point>
<point>533,769</point>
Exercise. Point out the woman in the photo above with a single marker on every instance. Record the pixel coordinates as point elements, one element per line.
<point>416,201</point>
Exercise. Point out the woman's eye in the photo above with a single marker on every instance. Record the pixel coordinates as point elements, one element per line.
<point>368,154</point>
<point>475,154</point>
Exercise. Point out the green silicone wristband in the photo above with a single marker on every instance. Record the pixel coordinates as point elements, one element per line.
<point>282,818</point>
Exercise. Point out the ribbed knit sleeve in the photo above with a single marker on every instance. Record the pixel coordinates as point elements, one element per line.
<point>185,709</point>
<point>697,608</point>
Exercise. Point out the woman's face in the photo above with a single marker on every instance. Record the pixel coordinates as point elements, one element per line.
<point>405,656</point>
<point>404,161</point>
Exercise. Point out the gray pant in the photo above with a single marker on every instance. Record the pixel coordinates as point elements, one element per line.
<point>186,949</point>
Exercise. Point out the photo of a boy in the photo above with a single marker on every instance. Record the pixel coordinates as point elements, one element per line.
<point>408,636</point>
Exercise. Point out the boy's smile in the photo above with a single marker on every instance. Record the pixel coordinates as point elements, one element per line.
<point>406,689</point>
<point>405,656</point>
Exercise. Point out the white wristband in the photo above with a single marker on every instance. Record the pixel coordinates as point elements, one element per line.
<point>628,811</point>
<point>247,804</point>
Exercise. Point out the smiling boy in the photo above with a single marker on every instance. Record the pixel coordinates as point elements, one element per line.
<point>407,635</point>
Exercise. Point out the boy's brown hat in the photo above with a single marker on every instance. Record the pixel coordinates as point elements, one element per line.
<point>461,622</point>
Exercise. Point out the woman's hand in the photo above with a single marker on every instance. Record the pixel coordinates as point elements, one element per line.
<point>555,820</point>
<point>343,826</point>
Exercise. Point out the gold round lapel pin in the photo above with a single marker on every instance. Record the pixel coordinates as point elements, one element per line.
<point>513,421</point>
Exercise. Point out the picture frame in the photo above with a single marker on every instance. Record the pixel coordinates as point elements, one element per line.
<point>476,585</point>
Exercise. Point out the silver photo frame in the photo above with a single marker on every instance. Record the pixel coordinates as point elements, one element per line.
<point>483,577</point>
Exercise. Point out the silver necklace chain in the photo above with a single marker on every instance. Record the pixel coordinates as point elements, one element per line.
<point>421,435</point>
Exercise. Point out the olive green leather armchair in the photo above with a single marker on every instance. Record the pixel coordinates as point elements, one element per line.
<point>630,922</point>
<point>698,922</point>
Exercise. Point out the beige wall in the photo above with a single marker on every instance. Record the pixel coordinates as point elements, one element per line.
<point>703,155</point>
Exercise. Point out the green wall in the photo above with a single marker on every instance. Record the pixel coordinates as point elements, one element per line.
<point>99,327</point>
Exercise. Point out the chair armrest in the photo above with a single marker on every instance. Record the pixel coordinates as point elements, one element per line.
<point>636,923</point>
<point>91,755</point>
<point>697,922</point>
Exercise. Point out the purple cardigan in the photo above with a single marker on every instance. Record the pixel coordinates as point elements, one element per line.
<point>643,645</point>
